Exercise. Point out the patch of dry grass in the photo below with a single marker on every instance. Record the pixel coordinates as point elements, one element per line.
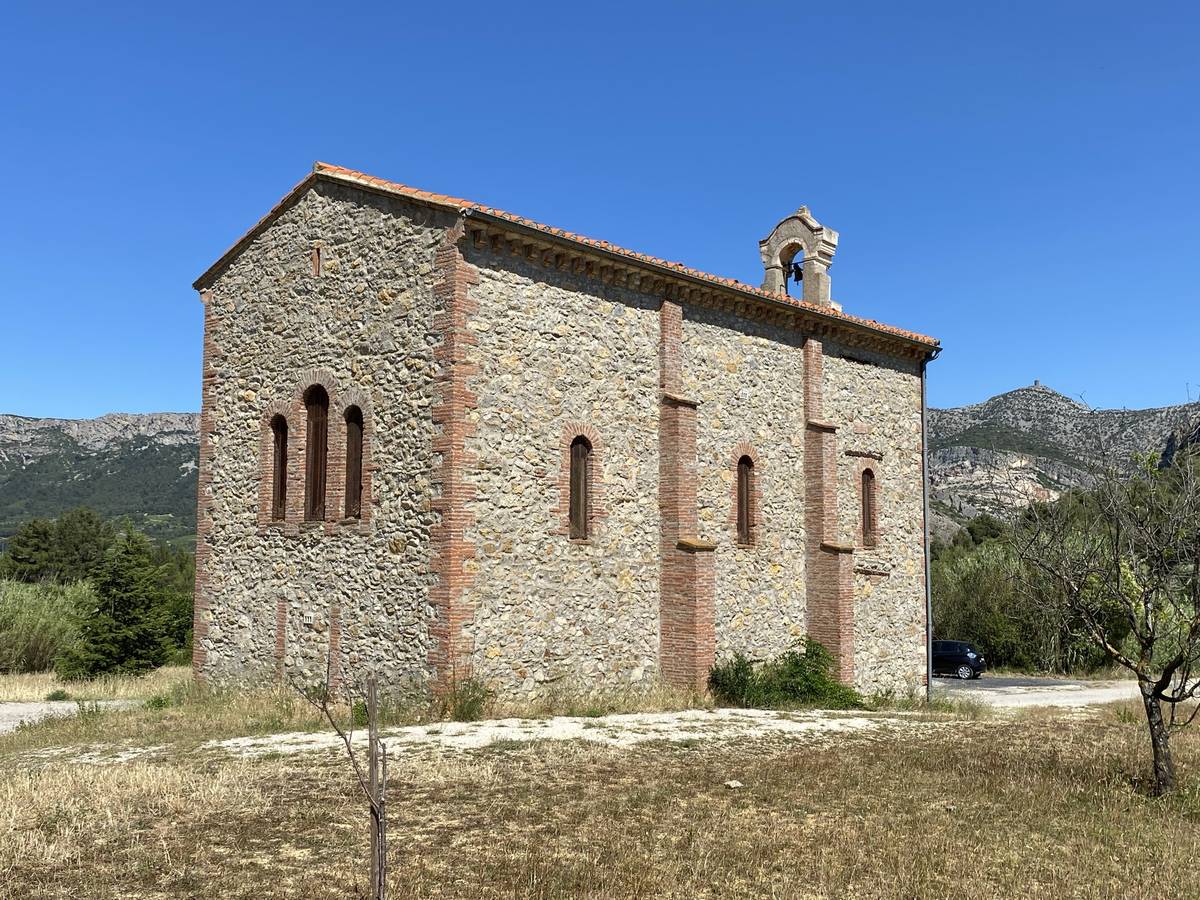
<point>192,714</point>
<point>656,696</point>
<point>1004,807</point>
<point>37,685</point>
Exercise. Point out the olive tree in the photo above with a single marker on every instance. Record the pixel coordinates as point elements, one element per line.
<point>1123,561</point>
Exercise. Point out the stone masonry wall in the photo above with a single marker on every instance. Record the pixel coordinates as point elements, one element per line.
<point>559,356</point>
<point>748,379</point>
<point>876,403</point>
<point>272,595</point>
<point>475,369</point>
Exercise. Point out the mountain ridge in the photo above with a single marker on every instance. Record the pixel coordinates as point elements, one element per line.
<point>140,465</point>
<point>993,456</point>
<point>1034,443</point>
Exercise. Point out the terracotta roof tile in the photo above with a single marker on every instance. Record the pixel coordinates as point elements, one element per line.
<point>392,187</point>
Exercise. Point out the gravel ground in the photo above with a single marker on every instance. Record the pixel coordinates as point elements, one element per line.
<point>619,730</point>
<point>1019,692</point>
<point>13,714</point>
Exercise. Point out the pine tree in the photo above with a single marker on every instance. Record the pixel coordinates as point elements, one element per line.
<point>81,538</point>
<point>127,632</point>
<point>30,552</point>
<point>65,550</point>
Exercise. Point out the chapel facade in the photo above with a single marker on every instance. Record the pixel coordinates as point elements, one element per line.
<point>441,441</point>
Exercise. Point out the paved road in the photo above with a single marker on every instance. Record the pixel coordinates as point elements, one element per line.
<point>1015,691</point>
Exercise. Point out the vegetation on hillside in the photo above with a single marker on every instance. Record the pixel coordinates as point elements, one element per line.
<point>152,484</point>
<point>992,436</point>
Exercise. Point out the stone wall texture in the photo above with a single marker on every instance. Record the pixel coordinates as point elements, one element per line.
<point>876,402</point>
<point>558,357</point>
<point>364,328</point>
<point>748,379</point>
<point>476,363</point>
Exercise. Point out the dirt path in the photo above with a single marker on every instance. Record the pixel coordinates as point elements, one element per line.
<point>621,730</point>
<point>14,713</point>
<point>1018,692</point>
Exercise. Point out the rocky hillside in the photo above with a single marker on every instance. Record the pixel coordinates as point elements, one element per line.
<point>1034,443</point>
<point>142,466</point>
<point>989,457</point>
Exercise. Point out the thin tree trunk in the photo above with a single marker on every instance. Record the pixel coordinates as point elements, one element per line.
<point>377,888</point>
<point>1164,766</point>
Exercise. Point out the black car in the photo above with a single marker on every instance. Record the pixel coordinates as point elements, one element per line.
<point>957,658</point>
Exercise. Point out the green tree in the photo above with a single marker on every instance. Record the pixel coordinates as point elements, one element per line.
<point>1125,565</point>
<point>65,550</point>
<point>128,629</point>
<point>29,556</point>
<point>177,574</point>
<point>81,538</point>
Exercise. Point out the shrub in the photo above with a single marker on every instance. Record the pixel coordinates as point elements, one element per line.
<point>38,621</point>
<point>800,677</point>
<point>465,701</point>
<point>58,694</point>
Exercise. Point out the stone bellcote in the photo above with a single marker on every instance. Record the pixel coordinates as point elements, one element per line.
<point>799,234</point>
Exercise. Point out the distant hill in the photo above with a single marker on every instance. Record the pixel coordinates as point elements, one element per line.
<point>1036,443</point>
<point>987,457</point>
<point>141,466</point>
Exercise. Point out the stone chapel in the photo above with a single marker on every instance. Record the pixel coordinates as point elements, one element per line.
<point>441,441</point>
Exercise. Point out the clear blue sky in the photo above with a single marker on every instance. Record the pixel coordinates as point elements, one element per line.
<point>1019,179</point>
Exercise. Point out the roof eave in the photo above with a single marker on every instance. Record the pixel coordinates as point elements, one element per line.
<point>747,293</point>
<point>928,348</point>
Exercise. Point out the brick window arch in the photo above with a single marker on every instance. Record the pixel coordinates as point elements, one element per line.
<point>745,507</point>
<point>745,500</point>
<point>316,406</point>
<point>580,488</point>
<point>870,510</point>
<point>580,495</point>
<point>354,462</point>
<point>279,470</point>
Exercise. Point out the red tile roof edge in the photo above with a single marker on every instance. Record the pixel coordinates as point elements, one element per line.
<point>340,173</point>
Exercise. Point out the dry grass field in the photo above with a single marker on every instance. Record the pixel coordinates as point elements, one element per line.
<point>1037,805</point>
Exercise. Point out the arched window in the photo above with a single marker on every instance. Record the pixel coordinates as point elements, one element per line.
<point>581,459</point>
<point>354,460</point>
<point>745,499</point>
<point>316,403</point>
<point>869,512</point>
<point>279,468</point>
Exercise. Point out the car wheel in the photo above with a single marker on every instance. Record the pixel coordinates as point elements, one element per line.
<point>965,672</point>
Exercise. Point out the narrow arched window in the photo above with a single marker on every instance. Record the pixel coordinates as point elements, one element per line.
<point>869,511</point>
<point>581,460</point>
<point>745,499</point>
<point>354,461</point>
<point>279,437</point>
<point>316,403</point>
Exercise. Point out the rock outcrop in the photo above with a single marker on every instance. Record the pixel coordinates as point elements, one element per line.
<point>121,464</point>
<point>1035,443</point>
